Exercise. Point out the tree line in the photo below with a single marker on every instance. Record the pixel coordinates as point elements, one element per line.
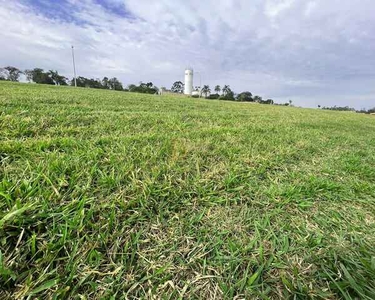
<point>347,108</point>
<point>223,93</point>
<point>52,77</point>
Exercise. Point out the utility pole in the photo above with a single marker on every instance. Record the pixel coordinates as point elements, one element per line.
<point>200,82</point>
<point>74,68</point>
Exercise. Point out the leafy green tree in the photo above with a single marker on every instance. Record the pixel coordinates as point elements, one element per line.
<point>115,84</point>
<point>206,90</point>
<point>149,88</point>
<point>34,74</point>
<point>213,96</point>
<point>105,83</point>
<point>177,87</point>
<point>57,78</point>
<point>95,83</point>
<point>54,76</point>
<point>258,99</point>
<point>2,74</point>
<point>227,93</point>
<point>226,89</point>
<point>81,81</point>
<point>145,88</point>
<point>217,89</point>
<point>38,75</point>
<point>10,73</point>
<point>29,75</point>
<point>245,96</point>
<point>228,96</point>
<point>132,87</point>
<point>87,82</point>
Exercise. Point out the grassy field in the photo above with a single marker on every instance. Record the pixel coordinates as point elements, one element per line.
<point>114,195</point>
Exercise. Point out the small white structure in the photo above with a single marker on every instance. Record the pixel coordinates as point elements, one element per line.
<point>188,81</point>
<point>196,93</point>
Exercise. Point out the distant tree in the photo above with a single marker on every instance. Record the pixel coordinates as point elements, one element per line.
<point>217,89</point>
<point>319,106</point>
<point>245,96</point>
<point>290,102</point>
<point>227,94</point>
<point>258,99</point>
<point>206,90</point>
<point>149,85</point>
<point>57,78</point>
<point>225,89</point>
<point>14,73</point>
<point>81,81</point>
<point>38,75</point>
<point>2,74</point>
<point>10,73</point>
<point>115,84</point>
<point>269,101</point>
<point>146,88</point>
<point>54,76</point>
<point>95,83</point>
<point>364,111</point>
<point>35,75</point>
<point>29,75</point>
<point>230,95</point>
<point>339,108</point>
<point>105,83</point>
<point>177,87</point>
<point>213,96</point>
<point>87,82</point>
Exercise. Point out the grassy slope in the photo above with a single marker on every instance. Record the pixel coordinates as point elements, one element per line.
<point>108,193</point>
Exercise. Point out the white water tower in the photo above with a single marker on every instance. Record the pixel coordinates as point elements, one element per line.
<point>188,81</point>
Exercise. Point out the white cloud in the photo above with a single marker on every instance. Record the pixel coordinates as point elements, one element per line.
<point>275,7</point>
<point>277,48</point>
<point>310,8</point>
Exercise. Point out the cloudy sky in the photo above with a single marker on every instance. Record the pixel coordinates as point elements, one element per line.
<point>313,52</point>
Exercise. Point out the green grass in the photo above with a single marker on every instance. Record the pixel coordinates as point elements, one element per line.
<point>116,195</point>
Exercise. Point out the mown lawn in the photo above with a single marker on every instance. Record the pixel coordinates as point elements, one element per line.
<point>114,195</point>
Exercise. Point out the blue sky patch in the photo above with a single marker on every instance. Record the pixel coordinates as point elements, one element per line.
<point>60,10</point>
